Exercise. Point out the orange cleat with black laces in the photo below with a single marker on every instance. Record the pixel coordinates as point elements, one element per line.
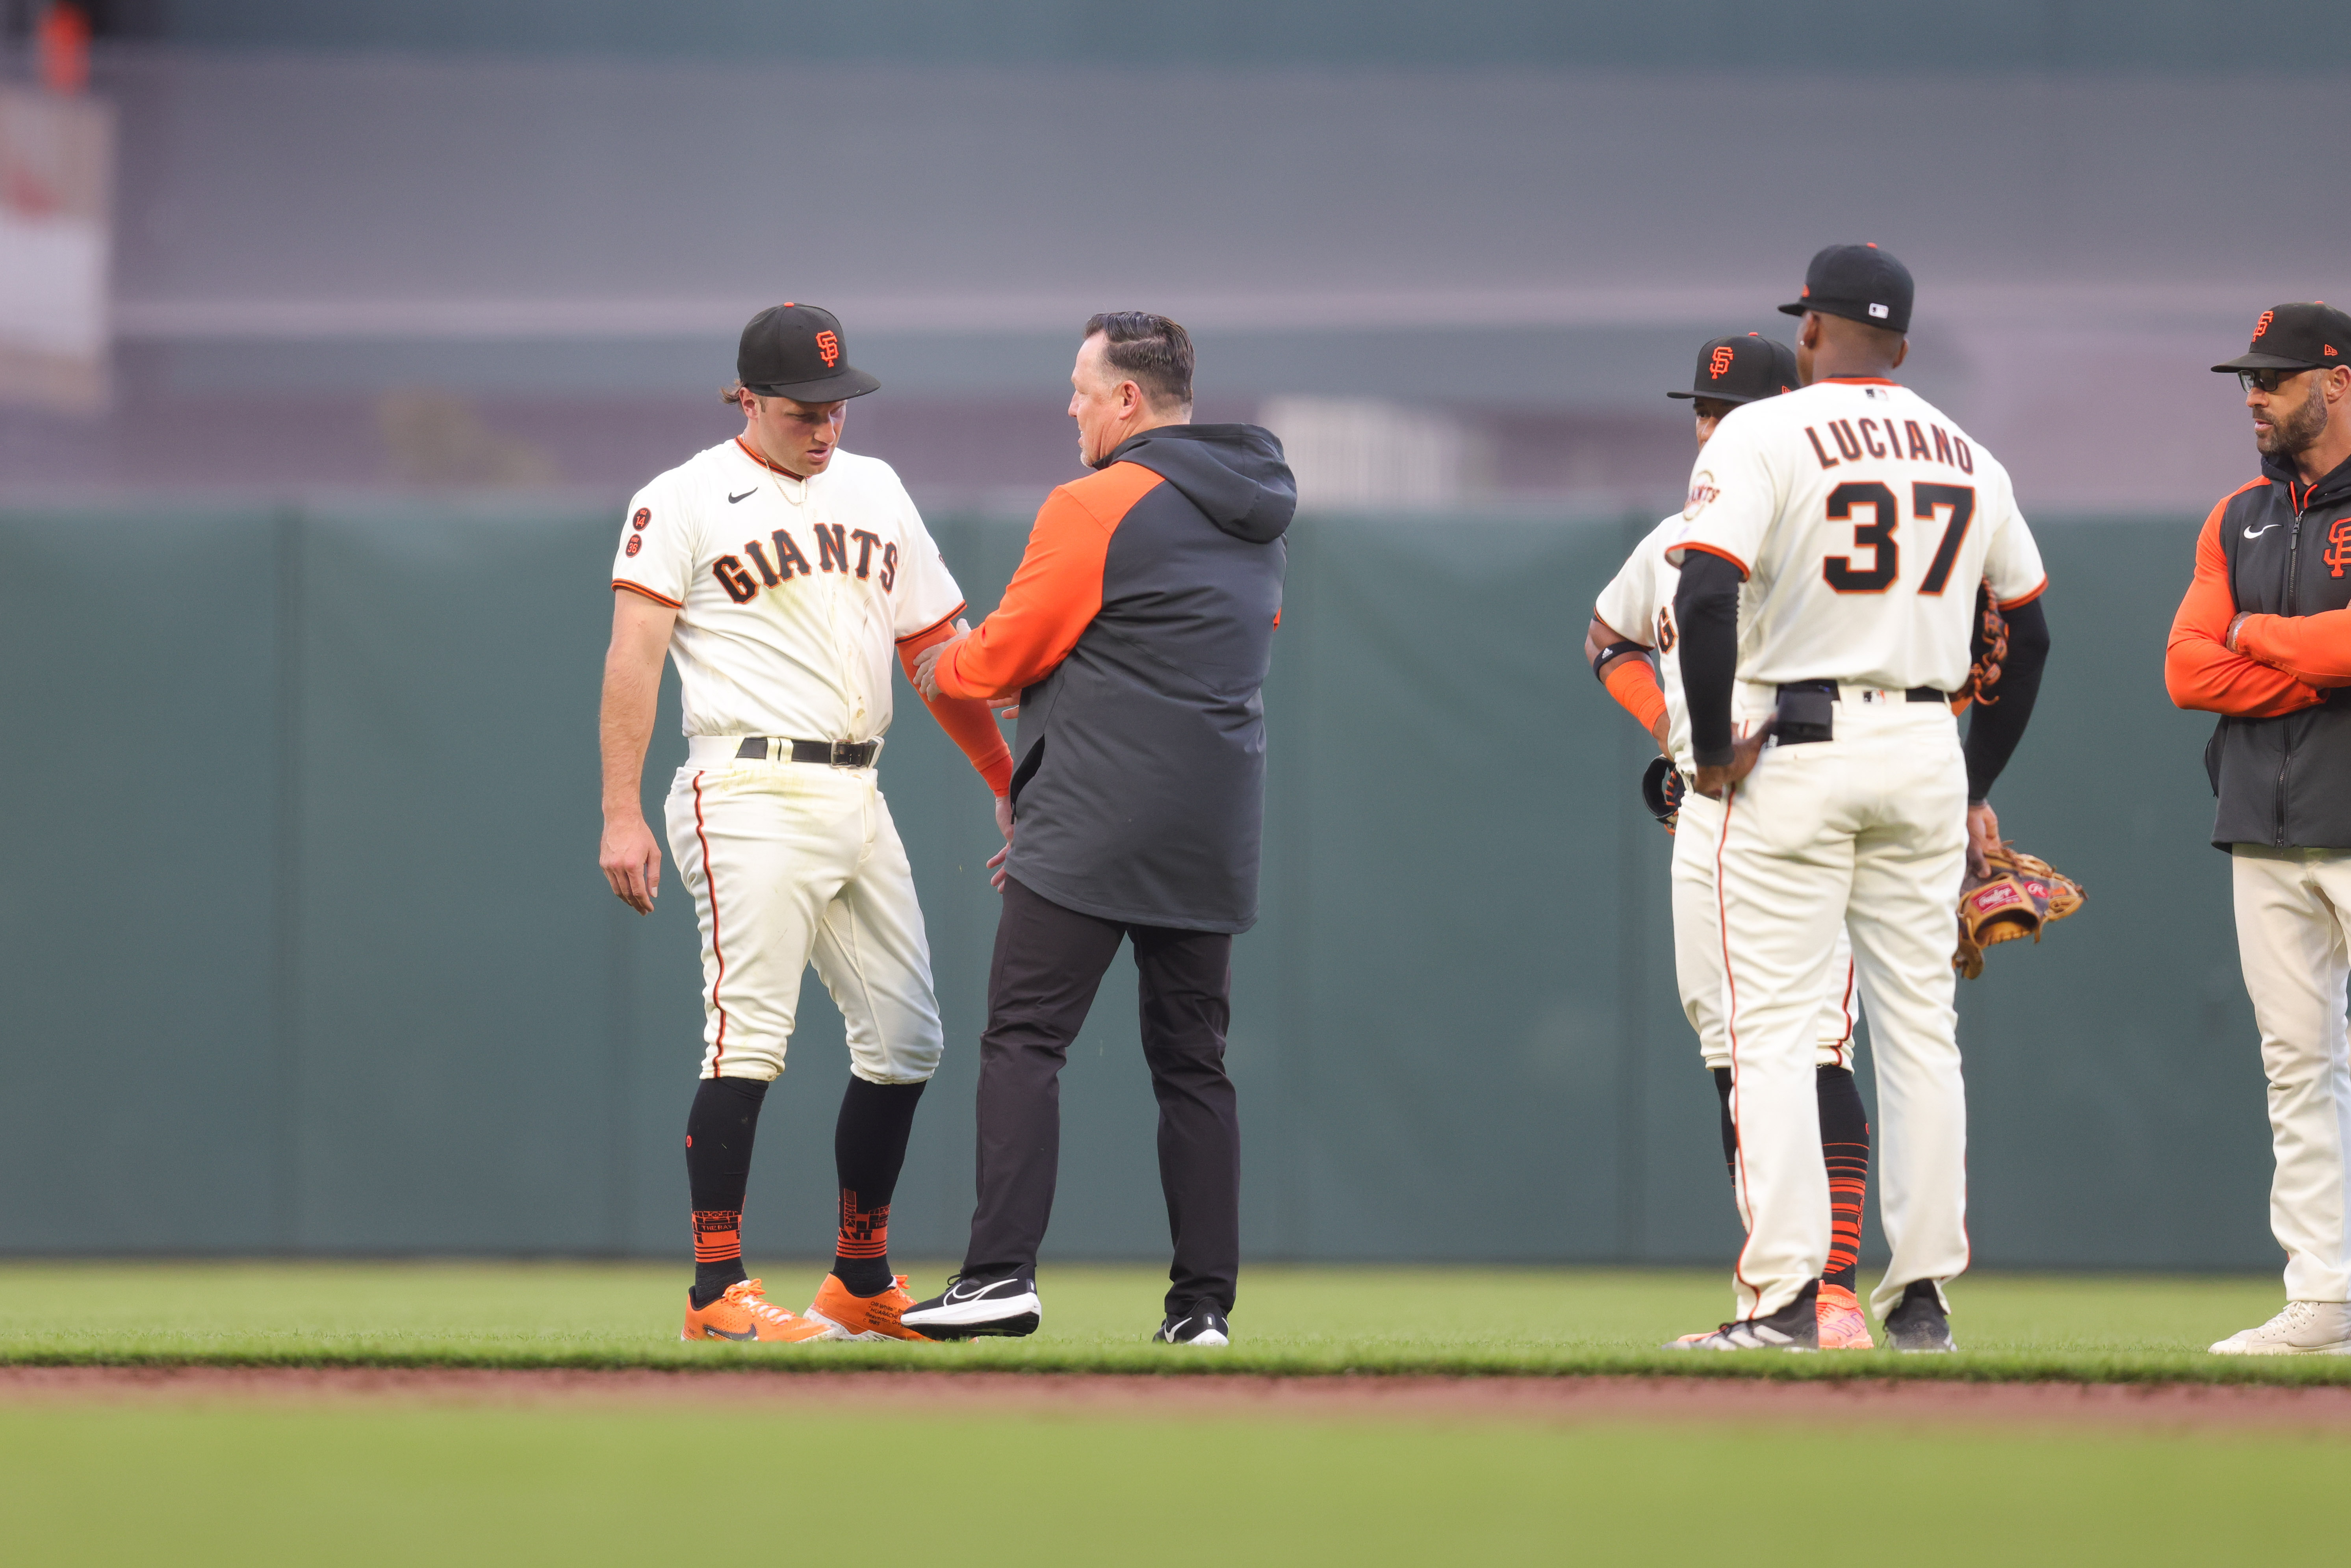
<point>864,1317</point>
<point>744,1313</point>
<point>1841,1325</point>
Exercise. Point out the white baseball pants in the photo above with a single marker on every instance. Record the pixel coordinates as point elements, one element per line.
<point>1869,829</point>
<point>789,863</point>
<point>2293,908</point>
<point>1697,948</point>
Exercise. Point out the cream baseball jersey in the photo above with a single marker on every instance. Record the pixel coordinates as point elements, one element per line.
<point>791,594</point>
<point>1863,518</point>
<point>1638,603</point>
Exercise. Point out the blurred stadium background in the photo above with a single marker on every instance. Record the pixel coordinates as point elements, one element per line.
<point>332,339</point>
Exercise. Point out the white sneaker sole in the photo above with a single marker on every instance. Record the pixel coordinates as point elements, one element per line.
<point>979,1313</point>
<point>2271,1347</point>
<point>841,1332</point>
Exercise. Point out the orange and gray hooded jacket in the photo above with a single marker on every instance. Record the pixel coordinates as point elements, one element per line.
<point>1138,632</point>
<point>2276,551</point>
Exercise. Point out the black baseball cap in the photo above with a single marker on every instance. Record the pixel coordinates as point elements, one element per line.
<point>1742,370</point>
<point>1860,283</point>
<point>796,351</point>
<point>2296,338</point>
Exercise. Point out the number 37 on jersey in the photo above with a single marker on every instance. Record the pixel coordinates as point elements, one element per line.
<point>1852,507</point>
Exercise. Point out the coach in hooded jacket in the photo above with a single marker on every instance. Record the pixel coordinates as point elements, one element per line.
<point>1136,634</point>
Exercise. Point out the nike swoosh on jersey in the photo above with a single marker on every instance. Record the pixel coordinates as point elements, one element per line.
<point>2251,535</point>
<point>752,491</point>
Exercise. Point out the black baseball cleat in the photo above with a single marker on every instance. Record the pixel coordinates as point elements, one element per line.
<point>970,1307</point>
<point>1796,1326</point>
<point>1196,1323</point>
<point>1918,1322</point>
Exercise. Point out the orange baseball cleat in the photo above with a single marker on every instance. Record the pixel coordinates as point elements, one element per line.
<point>744,1313</point>
<point>864,1317</point>
<point>1841,1325</point>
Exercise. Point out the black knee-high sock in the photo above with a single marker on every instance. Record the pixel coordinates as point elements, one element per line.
<point>1729,1127</point>
<point>1845,1146</point>
<point>1844,1149</point>
<point>869,1146</point>
<point>718,1134</point>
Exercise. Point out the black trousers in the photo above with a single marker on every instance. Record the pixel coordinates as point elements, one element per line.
<point>1048,962</point>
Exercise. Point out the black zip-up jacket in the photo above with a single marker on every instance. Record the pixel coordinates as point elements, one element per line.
<point>2282,780</point>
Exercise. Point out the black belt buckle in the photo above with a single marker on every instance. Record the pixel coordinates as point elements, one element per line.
<point>1806,715</point>
<point>850,753</point>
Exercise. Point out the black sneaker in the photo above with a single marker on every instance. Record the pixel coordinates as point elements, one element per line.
<point>1198,1323</point>
<point>1918,1323</point>
<point>1796,1326</point>
<point>1006,1304</point>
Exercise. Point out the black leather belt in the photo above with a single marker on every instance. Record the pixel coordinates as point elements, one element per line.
<point>831,753</point>
<point>1806,715</point>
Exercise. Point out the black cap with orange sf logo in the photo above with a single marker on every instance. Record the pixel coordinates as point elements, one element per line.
<point>1742,370</point>
<point>796,351</point>
<point>2296,338</point>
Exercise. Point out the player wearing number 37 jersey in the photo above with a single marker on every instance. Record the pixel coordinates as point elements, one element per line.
<point>1831,551</point>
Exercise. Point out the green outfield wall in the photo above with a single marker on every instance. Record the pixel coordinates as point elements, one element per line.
<point>303,947</point>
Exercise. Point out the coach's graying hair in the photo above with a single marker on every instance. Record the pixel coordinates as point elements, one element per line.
<point>1152,352</point>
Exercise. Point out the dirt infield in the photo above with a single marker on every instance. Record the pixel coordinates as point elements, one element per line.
<point>1542,1399</point>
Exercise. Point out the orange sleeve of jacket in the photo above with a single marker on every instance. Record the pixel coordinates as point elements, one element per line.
<point>2199,669</point>
<point>1055,592</point>
<point>968,724</point>
<point>2313,649</point>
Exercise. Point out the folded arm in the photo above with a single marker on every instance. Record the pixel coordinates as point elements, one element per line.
<point>2201,671</point>
<point>2313,649</point>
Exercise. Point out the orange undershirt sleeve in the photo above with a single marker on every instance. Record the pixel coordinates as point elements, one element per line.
<point>1635,686</point>
<point>968,723</point>
<point>2199,669</point>
<point>1051,600</point>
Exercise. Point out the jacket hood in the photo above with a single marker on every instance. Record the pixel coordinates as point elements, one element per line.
<point>2323,492</point>
<point>1234,472</point>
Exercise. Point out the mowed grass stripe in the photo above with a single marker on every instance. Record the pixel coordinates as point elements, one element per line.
<point>1290,1321</point>
<point>232,1484</point>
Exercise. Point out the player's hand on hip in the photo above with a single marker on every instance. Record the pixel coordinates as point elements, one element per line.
<point>1715,783</point>
<point>631,857</point>
<point>1983,837</point>
<point>1004,826</point>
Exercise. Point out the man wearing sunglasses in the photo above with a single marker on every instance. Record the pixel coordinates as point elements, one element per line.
<point>2263,639</point>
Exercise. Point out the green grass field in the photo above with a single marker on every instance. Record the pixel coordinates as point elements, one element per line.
<point>205,1475</point>
<point>1290,1320</point>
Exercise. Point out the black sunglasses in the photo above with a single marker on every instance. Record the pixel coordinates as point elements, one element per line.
<point>2268,380</point>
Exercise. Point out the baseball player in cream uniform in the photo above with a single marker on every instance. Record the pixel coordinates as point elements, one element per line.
<point>1632,626</point>
<point>782,576</point>
<point>1829,556</point>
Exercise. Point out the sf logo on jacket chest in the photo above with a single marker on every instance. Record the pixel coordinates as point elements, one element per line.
<point>2338,547</point>
<point>836,543</point>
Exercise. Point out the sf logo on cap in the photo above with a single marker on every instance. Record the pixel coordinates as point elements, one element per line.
<point>2263,325</point>
<point>1721,361</point>
<point>828,347</point>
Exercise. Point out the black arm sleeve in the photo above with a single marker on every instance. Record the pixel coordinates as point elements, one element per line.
<point>1994,730</point>
<point>1705,609</point>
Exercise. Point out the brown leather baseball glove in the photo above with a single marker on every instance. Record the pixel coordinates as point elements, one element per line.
<point>1987,650</point>
<point>2023,894</point>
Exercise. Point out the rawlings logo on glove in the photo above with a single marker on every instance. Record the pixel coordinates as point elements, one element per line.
<point>2023,894</point>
